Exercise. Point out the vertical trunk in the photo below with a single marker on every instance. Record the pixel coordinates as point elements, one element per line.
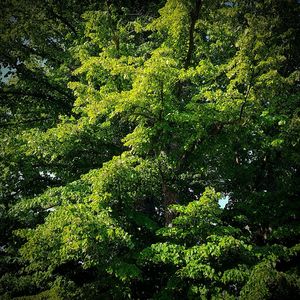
<point>169,198</point>
<point>194,18</point>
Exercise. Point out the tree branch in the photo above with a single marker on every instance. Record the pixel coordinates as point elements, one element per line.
<point>23,122</point>
<point>194,18</point>
<point>63,20</point>
<point>36,95</point>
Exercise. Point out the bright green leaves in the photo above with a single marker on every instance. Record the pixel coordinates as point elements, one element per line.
<point>75,143</point>
<point>90,223</point>
<point>166,253</point>
<point>265,281</point>
<point>203,249</point>
<point>215,247</point>
<point>196,221</point>
<point>123,181</point>
<point>124,271</point>
<point>100,26</point>
<point>29,211</point>
<point>150,100</point>
<point>203,95</point>
<point>213,263</point>
<point>73,233</point>
<point>173,24</point>
<point>77,231</point>
<point>236,275</point>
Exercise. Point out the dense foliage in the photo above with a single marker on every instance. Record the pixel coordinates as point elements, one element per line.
<point>124,123</point>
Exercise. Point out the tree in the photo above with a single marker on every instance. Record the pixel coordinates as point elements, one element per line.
<point>171,102</point>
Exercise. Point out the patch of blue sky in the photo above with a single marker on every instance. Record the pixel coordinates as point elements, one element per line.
<point>223,201</point>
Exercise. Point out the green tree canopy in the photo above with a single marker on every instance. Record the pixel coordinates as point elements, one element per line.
<point>124,124</point>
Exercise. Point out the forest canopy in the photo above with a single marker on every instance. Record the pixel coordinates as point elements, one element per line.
<point>123,126</point>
